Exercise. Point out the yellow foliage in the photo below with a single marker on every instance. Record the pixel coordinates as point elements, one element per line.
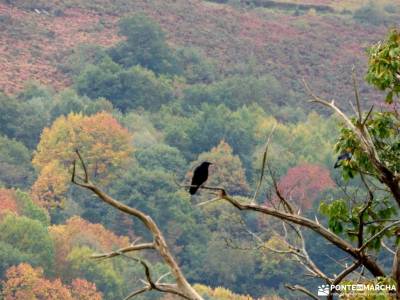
<point>51,185</point>
<point>227,169</point>
<point>221,293</point>
<point>104,144</point>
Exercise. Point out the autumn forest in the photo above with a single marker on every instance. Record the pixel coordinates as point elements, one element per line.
<point>107,108</point>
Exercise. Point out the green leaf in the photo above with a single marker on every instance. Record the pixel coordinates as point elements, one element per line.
<point>389,97</point>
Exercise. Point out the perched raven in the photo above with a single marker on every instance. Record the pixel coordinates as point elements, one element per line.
<point>344,156</point>
<point>200,176</point>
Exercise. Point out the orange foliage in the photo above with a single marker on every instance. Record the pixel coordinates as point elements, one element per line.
<point>50,185</point>
<point>25,282</point>
<point>85,290</point>
<point>102,141</point>
<point>8,202</point>
<point>78,232</point>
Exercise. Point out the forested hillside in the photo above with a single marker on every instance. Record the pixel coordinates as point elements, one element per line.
<point>145,91</point>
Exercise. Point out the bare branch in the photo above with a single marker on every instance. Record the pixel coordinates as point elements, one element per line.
<point>138,292</point>
<point>301,289</point>
<point>378,234</point>
<point>387,248</point>
<point>369,263</point>
<point>86,180</point>
<point>352,107</point>
<point>331,105</point>
<point>299,253</point>
<point>208,201</point>
<point>264,162</point>
<point>367,116</point>
<point>151,285</point>
<point>357,95</point>
<point>287,205</point>
<point>125,250</point>
<point>182,288</point>
<point>346,272</point>
<point>162,277</point>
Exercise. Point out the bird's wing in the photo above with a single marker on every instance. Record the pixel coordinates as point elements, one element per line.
<point>195,177</point>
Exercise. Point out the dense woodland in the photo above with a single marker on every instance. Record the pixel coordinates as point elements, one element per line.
<point>148,90</point>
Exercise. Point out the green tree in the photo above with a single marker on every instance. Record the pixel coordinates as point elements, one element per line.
<point>103,274</point>
<point>384,66</point>
<point>15,166</point>
<point>68,101</point>
<point>236,91</point>
<point>9,115</point>
<point>206,128</point>
<point>196,68</point>
<point>30,209</point>
<point>125,88</point>
<point>30,238</point>
<point>100,80</point>
<point>9,256</point>
<point>145,45</point>
<point>161,157</point>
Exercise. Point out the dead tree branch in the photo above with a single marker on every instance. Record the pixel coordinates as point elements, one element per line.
<point>302,290</point>
<point>131,248</point>
<point>182,287</point>
<point>150,285</point>
<point>369,263</point>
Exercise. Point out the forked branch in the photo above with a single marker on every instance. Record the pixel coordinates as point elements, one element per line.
<point>182,287</point>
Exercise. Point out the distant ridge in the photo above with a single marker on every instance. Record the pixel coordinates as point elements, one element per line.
<point>284,5</point>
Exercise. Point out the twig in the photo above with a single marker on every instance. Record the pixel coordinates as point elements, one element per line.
<point>125,250</point>
<point>357,95</point>
<point>287,205</point>
<point>86,180</point>
<point>379,233</point>
<point>302,290</point>
<point>367,116</point>
<point>387,248</point>
<point>264,161</point>
<point>208,201</point>
<point>346,272</point>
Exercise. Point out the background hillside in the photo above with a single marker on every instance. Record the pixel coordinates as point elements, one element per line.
<point>288,43</point>
<point>147,90</point>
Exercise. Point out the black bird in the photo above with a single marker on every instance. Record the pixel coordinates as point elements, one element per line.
<point>200,176</point>
<point>342,157</point>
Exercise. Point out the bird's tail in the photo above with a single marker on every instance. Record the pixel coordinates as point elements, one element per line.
<point>193,189</point>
